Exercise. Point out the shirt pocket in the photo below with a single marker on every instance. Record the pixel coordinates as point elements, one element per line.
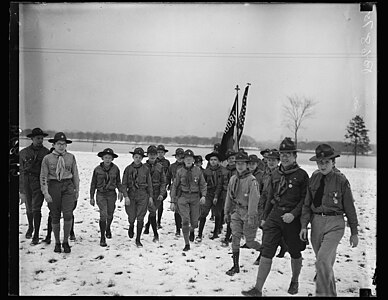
<point>333,200</point>
<point>52,167</point>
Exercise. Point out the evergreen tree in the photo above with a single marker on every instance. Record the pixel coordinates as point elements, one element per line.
<point>358,136</point>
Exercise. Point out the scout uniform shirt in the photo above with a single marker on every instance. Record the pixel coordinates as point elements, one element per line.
<point>263,189</point>
<point>30,162</point>
<point>49,170</point>
<point>214,180</point>
<point>243,193</point>
<point>287,190</point>
<point>136,177</point>
<point>158,178</point>
<point>104,180</point>
<point>165,163</point>
<point>172,172</point>
<point>337,198</point>
<point>190,180</point>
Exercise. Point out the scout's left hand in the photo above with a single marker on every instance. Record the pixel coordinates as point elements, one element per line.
<point>288,217</point>
<point>215,201</point>
<point>353,240</point>
<point>202,200</point>
<point>150,201</point>
<point>160,198</point>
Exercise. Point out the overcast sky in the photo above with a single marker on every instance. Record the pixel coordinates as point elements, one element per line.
<point>171,69</point>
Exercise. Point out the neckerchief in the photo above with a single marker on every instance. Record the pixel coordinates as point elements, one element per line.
<point>189,176</point>
<point>243,175</point>
<point>283,182</point>
<point>60,170</point>
<point>135,174</point>
<point>151,166</point>
<point>214,177</point>
<point>107,180</point>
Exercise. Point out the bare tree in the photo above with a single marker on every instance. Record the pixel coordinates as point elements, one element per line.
<point>296,111</point>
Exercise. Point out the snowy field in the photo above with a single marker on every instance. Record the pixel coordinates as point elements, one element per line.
<point>164,269</point>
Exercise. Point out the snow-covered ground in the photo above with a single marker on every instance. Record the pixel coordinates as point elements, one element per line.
<point>164,269</point>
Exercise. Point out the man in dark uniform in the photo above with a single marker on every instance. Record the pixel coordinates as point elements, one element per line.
<point>158,178</point>
<point>166,165</point>
<point>137,191</point>
<point>281,216</point>
<point>192,184</point>
<point>170,176</point>
<point>30,159</point>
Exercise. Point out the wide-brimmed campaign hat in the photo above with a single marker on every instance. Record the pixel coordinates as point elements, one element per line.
<point>324,151</point>
<point>162,148</point>
<point>214,153</point>
<point>138,150</point>
<point>263,152</point>
<point>241,156</point>
<point>35,132</point>
<point>254,158</point>
<point>272,153</point>
<point>60,136</point>
<point>188,152</point>
<point>152,149</point>
<point>178,151</point>
<point>198,158</point>
<point>229,153</point>
<point>287,145</point>
<point>107,151</point>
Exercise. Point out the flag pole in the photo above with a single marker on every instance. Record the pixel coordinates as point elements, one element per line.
<point>237,89</point>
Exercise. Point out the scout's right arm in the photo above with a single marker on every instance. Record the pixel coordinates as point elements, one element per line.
<point>228,201</point>
<point>44,171</point>
<point>174,191</point>
<point>306,214</point>
<point>125,185</point>
<point>93,186</point>
<point>269,202</point>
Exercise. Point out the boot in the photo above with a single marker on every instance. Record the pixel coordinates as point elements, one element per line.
<point>66,231</point>
<point>296,266</point>
<point>108,233</point>
<point>72,235</point>
<point>102,232</point>
<point>147,227</point>
<point>36,217</point>
<point>58,248</point>
<point>191,236</point>
<point>139,228</point>
<point>47,240</point>
<point>66,247</point>
<point>160,212</point>
<point>262,273</point>
<point>154,226</point>
<point>236,268</point>
<point>216,228</point>
<point>187,247</point>
<point>202,222</point>
<point>30,229</point>
<point>130,231</point>
<point>253,292</point>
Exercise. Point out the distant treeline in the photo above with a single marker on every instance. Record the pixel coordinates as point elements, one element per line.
<point>245,142</point>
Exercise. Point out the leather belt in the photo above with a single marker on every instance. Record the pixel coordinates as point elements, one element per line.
<point>334,213</point>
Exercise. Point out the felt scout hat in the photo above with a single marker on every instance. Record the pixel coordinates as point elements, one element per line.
<point>35,132</point>
<point>324,151</point>
<point>214,153</point>
<point>107,151</point>
<point>60,136</point>
<point>229,153</point>
<point>198,158</point>
<point>189,152</point>
<point>139,151</point>
<point>254,158</point>
<point>241,156</point>
<point>161,147</point>
<point>152,149</point>
<point>263,152</point>
<point>178,152</point>
<point>272,153</point>
<point>287,145</point>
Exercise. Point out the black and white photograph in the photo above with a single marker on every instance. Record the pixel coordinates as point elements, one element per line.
<point>195,149</point>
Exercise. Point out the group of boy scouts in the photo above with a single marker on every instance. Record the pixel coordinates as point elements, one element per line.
<point>274,194</point>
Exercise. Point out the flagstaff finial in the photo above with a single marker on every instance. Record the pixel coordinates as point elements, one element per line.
<point>237,88</point>
<point>248,83</point>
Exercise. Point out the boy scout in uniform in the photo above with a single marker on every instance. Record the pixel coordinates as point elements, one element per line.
<point>213,178</point>
<point>286,193</point>
<point>328,198</point>
<point>192,184</point>
<point>241,204</point>
<point>166,165</point>
<point>137,191</point>
<point>105,179</point>
<point>228,172</point>
<point>158,178</point>
<point>170,176</point>
<point>59,183</point>
<point>30,160</point>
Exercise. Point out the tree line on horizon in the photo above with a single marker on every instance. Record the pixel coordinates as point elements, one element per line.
<point>246,141</point>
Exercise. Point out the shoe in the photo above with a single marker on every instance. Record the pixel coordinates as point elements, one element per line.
<point>156,238</point>
<point>253,292</point>
<point>29,233</point>
<point>47,240</point>
<point>214,236</point>
<point>139,244</point>
<point>130,232</point>
<point>178,232</point>
<point>57,248</point>
<point>233,270</point>
<point>146,230</point>
<point>66,247</point>
<point>191,236</point>
<point>103,242</point>
<point>293,289</point>
<point>224,243</point>
<point>186,248</point>
<point>72,236</point>
<point>159,226</point>
<point>108,234</point>
<point>198,238</point>
<point>35,241</point>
